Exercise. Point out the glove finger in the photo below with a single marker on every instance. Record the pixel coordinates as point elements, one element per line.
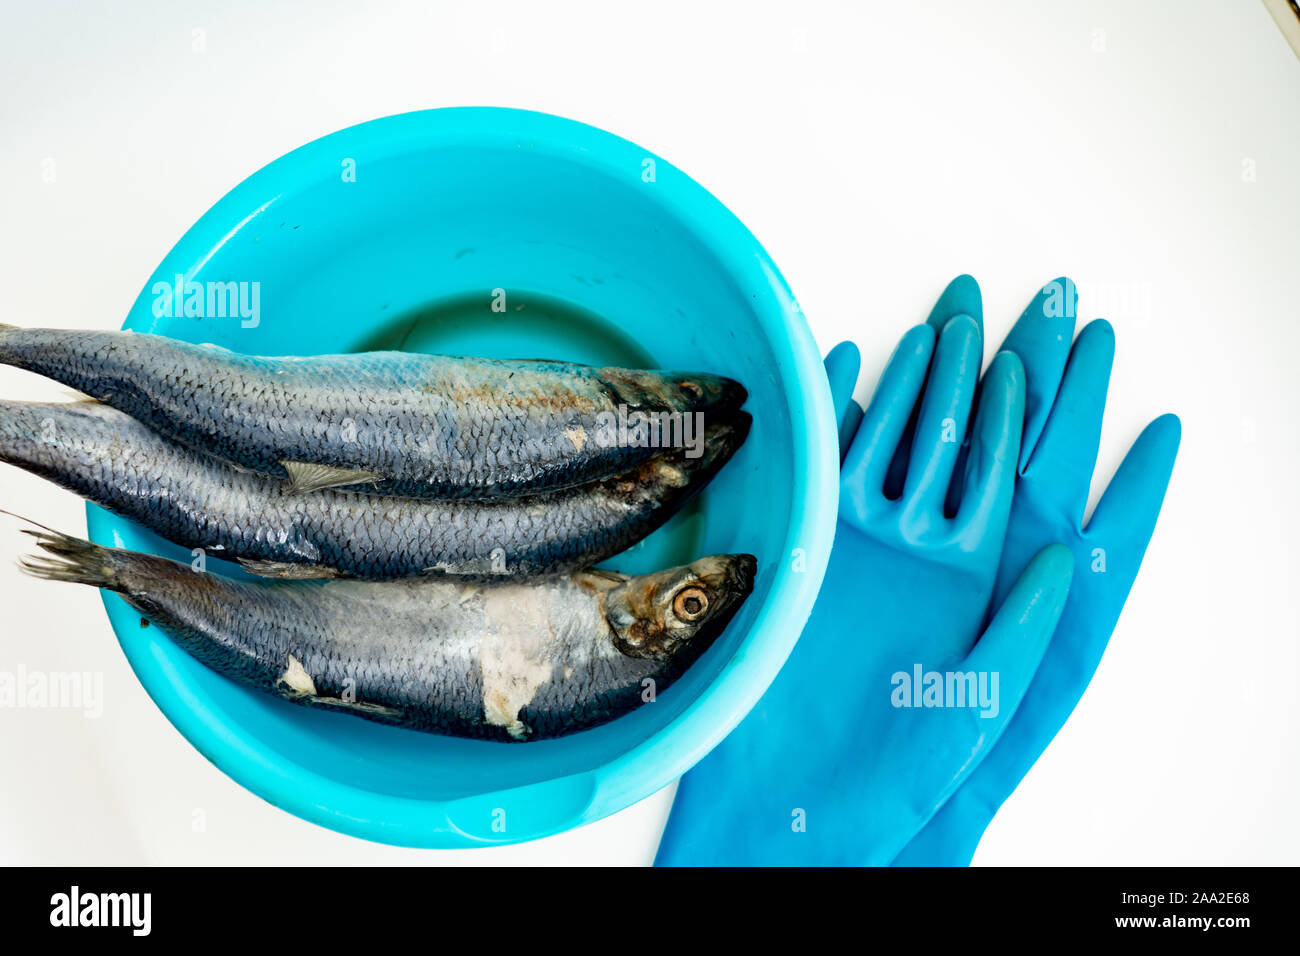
<point>990,476</point>
<point>843,363</point>
<point>1126,515</point>
<point>1062,464</point>
<point>944,415</point>
<point>863,473</point>
<point>961,297</point>
<point>1014,642</point>
<point>1041,337</point>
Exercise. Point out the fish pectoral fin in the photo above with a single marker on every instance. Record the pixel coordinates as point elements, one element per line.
<point>296,684</point>
<point>356,706</point>
<point>287,571</point>
<point>309,476</point>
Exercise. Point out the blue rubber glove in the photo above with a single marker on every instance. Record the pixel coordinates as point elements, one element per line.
<point>830,766</point>
<point>1066,396</point>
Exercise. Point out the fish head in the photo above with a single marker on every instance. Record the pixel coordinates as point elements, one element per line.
<point>691,465</point>
<point>657,616</point>
<point>676,391</point>
<point>673,475</point>
<point>723,436</point>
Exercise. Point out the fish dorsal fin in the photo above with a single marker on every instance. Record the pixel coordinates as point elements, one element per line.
<point>612,576</point>
<point>308,476</point>
<point>285,571</point>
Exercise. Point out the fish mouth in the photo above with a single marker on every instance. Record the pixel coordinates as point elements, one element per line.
<point>741,571</point>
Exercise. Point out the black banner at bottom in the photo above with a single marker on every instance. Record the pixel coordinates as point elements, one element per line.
<point>333,905</point>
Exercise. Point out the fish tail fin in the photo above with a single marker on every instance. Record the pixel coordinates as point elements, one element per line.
<point>68,558</point>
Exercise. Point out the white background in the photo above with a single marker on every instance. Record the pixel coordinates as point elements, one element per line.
<point>876,150</point>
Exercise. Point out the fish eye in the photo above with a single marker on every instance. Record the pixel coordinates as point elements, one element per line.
<point>692,389</point>
<point>690,604</point>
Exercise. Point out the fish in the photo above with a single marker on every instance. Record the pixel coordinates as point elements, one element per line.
<point>198,502</point>
<point>385,423</point>
<point>507,660</point>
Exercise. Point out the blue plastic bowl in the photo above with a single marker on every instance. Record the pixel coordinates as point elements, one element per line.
<point>406,232</point>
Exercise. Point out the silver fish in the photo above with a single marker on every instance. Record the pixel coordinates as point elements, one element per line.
<point>388,423</point>
<point>198,502</point>
<point>507,660</point>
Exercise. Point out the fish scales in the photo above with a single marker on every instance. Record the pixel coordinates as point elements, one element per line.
<point>196,501</point>
<point>507,660</point>
<point>387,423</point>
